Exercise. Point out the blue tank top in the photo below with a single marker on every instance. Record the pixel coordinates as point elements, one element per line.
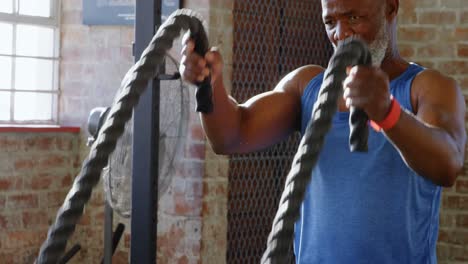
<point>366,207</point>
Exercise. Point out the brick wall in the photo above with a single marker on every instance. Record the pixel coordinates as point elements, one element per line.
<point>435,34</point>
<point>36,170</point>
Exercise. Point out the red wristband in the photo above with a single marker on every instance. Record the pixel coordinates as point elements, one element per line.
<point>390,120</point>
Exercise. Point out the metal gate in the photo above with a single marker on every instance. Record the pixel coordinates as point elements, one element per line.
<point>271,38</point>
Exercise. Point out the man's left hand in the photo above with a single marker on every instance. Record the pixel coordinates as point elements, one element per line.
<point>367,88</point>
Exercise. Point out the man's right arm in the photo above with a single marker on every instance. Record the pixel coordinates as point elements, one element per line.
<point>263,120</point>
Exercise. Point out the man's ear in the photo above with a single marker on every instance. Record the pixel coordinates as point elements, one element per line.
<point>391,10</point>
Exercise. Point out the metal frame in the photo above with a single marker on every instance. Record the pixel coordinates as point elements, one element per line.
<point>149,15</point>
<point>145,146</point>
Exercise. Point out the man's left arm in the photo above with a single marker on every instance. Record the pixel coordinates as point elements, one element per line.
<point>432,142</point>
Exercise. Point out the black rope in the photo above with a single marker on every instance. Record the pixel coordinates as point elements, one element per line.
<point>348,53</point>
<point>132,86</point>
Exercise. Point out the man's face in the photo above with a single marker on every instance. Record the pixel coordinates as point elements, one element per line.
<point>362,18</point>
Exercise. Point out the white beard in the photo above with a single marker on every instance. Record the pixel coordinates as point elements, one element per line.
<point>378,47</point>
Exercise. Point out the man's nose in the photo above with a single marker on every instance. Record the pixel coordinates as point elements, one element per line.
<point>342,31</point>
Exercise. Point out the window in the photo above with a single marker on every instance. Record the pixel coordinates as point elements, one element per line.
<point>29,61</point>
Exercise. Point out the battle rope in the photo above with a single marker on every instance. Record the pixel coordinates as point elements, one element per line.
<point>348,53</point>
<point>132,86</point>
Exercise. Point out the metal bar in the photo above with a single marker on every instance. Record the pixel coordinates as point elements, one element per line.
<point>145,146</point>
<point>13,73</point>
<point>116,238</point>
<point>30,91</point>
<point>29,57</point>
<point>70,254</point>
<point>32,20</point>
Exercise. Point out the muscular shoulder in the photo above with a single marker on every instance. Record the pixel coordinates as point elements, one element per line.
<point>296,81</point>
<point>434,86</point>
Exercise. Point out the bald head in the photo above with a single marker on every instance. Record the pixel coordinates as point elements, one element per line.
<point>375,5</point>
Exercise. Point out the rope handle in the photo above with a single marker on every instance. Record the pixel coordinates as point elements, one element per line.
<point>204,92</point>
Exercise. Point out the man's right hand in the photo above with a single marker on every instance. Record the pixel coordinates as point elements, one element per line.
<point>194,67</point>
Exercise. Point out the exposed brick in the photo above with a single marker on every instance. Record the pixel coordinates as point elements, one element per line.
<point>462,221</point>
<point>462,50</point>
<point>444,235</point>
<point>215,188</point>
<point>195,151</point>
<point>11,183</point>
<point>120,257</point>
<point>437,17</point>
<point>85,220</point>
<point>126,52</point>
<point>454,67</point>
<point>459,237</point>
<point>185,206</point>
<point>452,4</point>
<point>77,35</point>
<point>42,182</point>
<point>93,234</point>
<point>10,221</point>
<point>443,251</point>
<point>24,164</point>
<point>127,240</point>
<point>169,242</point>
<point>406,50</point>
<point>197,133</point>
<point>407,16</point>
<point>8,144</point>
<point>459,253</point>
<point>97,199</point>
<point>462,186</point>
<point>99,217</point>
<point>194,189</point>
<point>71,17</point>
<point>447,220</point>
<point>23,239</point>
<point>417,34</point>
<point>436,50</point>
<point>22,201</point>
<point>65,144</point>
<point>8,256</point>
<point>455,202</point>
<point>464,17</point>
<point>66,181</point>
<point>183,260</point>
<point>461,32</point>
<point>55,199</point>
<point>42,142</point>
<point>2,202</point>
<point>425,3</point>
<point>51,161</point>
<point>72,4</point>
<point>32,220</point>
<point>190,168</point>
<point>193,247</point>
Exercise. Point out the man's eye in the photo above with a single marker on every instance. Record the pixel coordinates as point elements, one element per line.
<point>353,18</point>
<point>328,22</point>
